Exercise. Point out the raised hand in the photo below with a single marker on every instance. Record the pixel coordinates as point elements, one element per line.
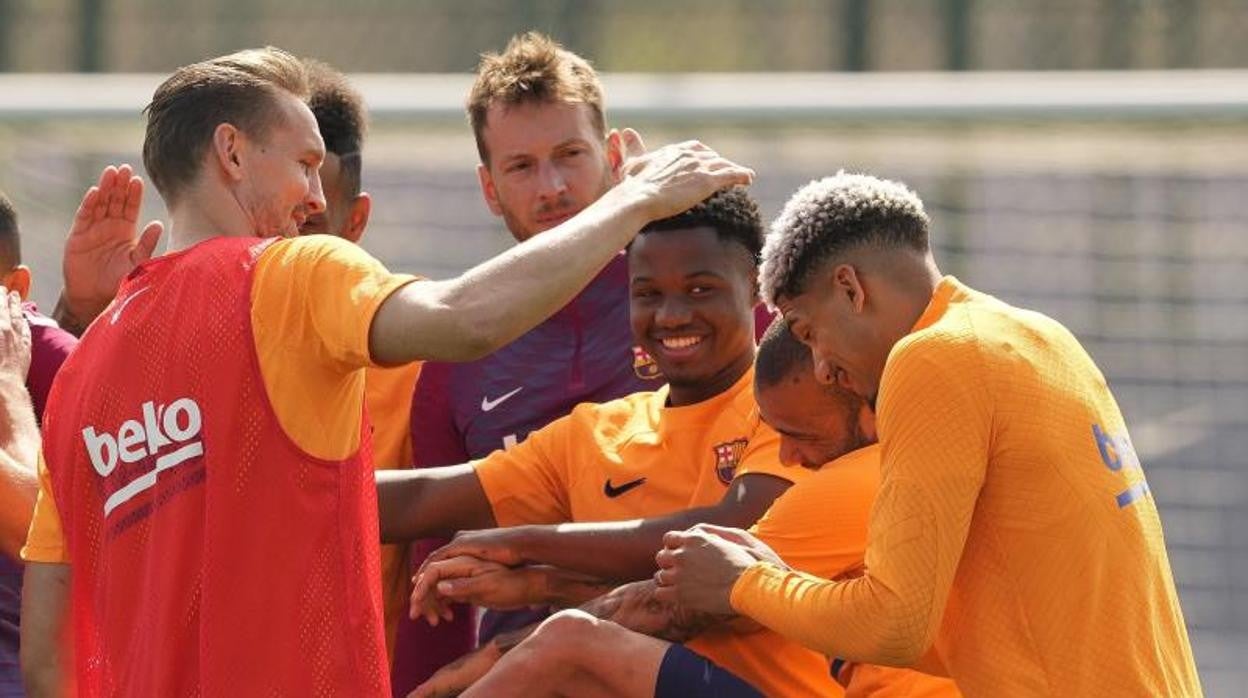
<point>676,177</point>
<point>104,243</point>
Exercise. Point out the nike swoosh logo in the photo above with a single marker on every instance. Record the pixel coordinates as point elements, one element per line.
<point>132,296</point>
<point>614,492</point>
<point>487,404</point>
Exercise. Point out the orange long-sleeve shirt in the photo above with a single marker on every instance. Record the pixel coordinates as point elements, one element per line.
<point>1014,539</point>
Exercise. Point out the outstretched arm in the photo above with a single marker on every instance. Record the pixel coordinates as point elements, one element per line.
<point>579,546</point>
<point>468,317</point>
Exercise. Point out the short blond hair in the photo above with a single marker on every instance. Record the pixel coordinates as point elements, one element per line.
<point>239,89</point>
<point>532,69</point>
<point>831,215</point>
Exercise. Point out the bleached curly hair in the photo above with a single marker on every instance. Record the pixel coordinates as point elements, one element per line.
<point>831,215</point>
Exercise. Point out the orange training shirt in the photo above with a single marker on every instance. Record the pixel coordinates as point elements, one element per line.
<point>636,458</point>
<point>819,526</point>
<point>1014,529</point>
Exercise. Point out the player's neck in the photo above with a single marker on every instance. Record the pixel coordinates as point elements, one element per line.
<point>682,394</point>
<point>914,281</point>
<point>200,216</point>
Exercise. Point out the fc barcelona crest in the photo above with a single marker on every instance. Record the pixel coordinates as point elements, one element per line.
<point>644,365</point>
<point>727,456</point>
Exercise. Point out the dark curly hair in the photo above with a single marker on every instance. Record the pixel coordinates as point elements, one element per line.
<point>732,213</point>
<point>832,215</point>
<point>341,118</point>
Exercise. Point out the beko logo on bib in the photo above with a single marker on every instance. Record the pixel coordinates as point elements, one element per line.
<point>176,425</point>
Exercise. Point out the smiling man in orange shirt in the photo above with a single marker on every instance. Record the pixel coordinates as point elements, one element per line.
<point>818,525</point>
<point>1015,542</point>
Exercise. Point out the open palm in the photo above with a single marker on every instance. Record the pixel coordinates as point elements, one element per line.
<point>104,244</point>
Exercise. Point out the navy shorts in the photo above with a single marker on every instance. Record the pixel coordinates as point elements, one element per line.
<point>687,674</point>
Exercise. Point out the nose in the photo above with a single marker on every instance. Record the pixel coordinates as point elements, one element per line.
<point>788,452</point>
<point>673,312</point>
<point>553,183</point>
<point>823,370</point>
<point>315,202</point>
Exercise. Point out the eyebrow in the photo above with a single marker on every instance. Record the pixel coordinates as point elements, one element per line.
<point>691,275</point>
<point>507,157</point>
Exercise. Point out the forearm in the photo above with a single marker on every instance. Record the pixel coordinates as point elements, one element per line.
<point>579,546</point>
<point>19,432</point>
<point>561,588</point>
<point>493,303</point>
<point>44,602</point>
<point>860,619</point>
<point>635,607</point>
<point>19,486</point>
<point>431,502</point>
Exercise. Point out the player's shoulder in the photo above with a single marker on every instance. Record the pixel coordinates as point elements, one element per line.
<point>310,249</point>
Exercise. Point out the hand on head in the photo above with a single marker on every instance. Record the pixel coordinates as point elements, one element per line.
<point>676,177</point>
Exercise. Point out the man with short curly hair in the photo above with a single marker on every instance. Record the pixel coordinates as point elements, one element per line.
<point>1015,542</point>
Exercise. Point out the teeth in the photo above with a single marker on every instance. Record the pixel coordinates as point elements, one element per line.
<point>680,342</point>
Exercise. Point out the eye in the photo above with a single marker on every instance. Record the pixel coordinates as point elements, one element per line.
<point>516,167</point>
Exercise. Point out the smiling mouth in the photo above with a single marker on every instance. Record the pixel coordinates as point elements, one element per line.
<point>678,343</point>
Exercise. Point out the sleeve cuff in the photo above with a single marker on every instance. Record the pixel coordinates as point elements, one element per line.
<point>31,553</point>
<point>752,589</point>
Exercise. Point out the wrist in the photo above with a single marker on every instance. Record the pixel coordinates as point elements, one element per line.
<point>524,542</point>
<point>630,202</point>
<point>74,317</point>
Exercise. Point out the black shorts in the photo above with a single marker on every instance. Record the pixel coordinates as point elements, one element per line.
<point>687,674</point>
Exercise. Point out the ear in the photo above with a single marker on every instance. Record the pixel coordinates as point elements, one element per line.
<point>615,154</point>
<point>228,144</point>
<point>488,191</point>
<point>845,282</point>
<point>357,217</point>
<point>19,280</point>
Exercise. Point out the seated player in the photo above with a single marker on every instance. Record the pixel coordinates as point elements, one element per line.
<point>818,524</point>
<point>1015,539</point>
<point>692,451</point>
